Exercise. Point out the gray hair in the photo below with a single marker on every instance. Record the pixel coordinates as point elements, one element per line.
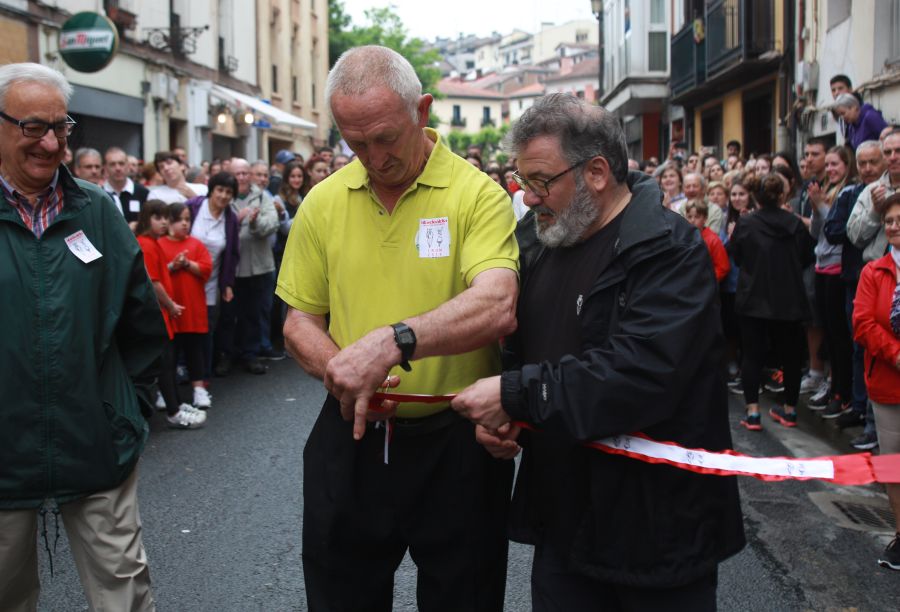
<point>584,131</point>
<point>868,144</point>
<point>83,152</point>
<point>362,68</point>
<point>697,174</point>
<point>193,173</point>
<point>32,73</point>
<point>846,100</point>
<point>260,162</point>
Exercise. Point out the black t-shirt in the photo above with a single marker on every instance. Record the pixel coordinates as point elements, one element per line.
<point>553,297</point>
<point>550,327</point>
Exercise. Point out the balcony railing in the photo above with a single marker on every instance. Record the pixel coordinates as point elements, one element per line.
<point>487,121</point>
<point>458,122</point>
<point>688,61</point>
<point>735,31</point>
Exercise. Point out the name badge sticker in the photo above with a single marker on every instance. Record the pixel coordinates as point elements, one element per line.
<point>433,238</point>
<point>82,248</point>
<point>134,206</point>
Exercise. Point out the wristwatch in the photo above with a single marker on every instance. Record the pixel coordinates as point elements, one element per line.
<point>405,338</point>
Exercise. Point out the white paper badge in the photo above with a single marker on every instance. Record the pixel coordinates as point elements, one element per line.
<point>134,206</point>
<point>79,244</point>
<point>433,238</point>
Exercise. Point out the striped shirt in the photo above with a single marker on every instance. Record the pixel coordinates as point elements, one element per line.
<point>40,215</point>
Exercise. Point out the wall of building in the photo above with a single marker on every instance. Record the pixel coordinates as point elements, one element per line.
<point>579,31</point>
<point>14,45</point>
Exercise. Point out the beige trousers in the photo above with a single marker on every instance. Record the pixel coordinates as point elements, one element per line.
<point>104,532</point>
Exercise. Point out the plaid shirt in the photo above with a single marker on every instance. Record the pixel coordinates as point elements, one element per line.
<point>39,216</point>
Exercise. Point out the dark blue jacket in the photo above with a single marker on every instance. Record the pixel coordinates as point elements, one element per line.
<point>835,230</point>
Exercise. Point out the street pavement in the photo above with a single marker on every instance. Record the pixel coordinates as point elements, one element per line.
<point>222,507</point>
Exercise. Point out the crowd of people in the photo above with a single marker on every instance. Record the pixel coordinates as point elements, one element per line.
<point>605,298</point>
<point>213,238</point>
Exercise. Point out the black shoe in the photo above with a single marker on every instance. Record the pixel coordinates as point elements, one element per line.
<point>835,408</point>
<point>865,441</point>
<point>775,382</point>
<point>255,367</point>
<point>271,355</point>
<point>223,365</point>
<point>890,558</point>
<point>850,419</point>
<point>753,422</point>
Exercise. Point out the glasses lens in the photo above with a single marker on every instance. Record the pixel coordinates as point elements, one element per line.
<point>63,129</point>
<point>34,129</point>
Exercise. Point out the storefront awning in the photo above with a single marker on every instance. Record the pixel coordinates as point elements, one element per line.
<point>276,115</point>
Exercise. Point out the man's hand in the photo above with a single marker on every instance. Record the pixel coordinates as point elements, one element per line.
<point>228,294</point>
<point>878,199</point>
<point>480,403</point>
<point>501,444</point>
<point>356,373</point>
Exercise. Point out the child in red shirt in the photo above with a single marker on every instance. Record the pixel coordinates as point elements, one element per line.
<point>696,213</point>
<point>190,265</point>
<point>153,223</point>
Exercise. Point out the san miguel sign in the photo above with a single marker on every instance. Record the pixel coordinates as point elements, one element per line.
<point>88,42</point>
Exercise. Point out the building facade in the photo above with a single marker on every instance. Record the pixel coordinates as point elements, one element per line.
<point>186,74</point>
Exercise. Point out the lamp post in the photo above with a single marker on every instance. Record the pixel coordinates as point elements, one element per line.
<point>597,9</point>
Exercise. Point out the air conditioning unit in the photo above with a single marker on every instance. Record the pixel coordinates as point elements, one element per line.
<point>807,75</point>
<point>159,86</point>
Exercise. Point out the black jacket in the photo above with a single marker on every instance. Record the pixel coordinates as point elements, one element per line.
<point>835,229</point>
<point>651,363</point>
<point>772,247</point>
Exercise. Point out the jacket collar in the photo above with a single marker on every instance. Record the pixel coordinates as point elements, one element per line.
<point>74,197</point>
<point>885,263</point>
<point>644,217</point>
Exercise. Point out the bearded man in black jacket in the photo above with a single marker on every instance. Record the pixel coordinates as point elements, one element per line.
<point>618,332</point>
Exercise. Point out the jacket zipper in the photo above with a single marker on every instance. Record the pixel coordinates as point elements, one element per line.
<point>42,339</point>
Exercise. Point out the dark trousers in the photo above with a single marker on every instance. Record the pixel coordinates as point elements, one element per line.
<point>168,386</point>
<point>265,312</point>
<point>554,588</point>
<point>191,346</point>
<point>250,296</point>
<point>831,300</point>
<point>212,317</point>
<point>787,342</point>
<point>442,497</point>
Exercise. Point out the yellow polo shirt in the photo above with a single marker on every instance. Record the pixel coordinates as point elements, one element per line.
<point>348,256</point>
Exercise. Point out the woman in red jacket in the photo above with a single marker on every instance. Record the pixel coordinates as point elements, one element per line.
<point>190,266</point>
<point>876,326</point>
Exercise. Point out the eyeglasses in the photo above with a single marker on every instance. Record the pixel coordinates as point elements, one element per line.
<point>892,221</point>
<point>541,187</point>
<point>35,128</point>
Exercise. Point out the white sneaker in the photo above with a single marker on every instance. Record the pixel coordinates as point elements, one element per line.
<point>160,402</point>
<point>811,383</point>
<point>187,417</point>
<point>202,398</point>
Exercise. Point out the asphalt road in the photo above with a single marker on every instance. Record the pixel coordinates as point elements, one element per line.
<point>222,507</point>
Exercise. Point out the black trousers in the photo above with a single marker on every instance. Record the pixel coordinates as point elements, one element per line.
<point>831,299</point>
<point>167,383</point>
<point>441,496</point>
<point>556,589</point>
<point>787,341</point>
<point>192,347</point>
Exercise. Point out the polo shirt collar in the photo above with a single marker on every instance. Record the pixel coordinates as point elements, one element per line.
<point>436,173</point>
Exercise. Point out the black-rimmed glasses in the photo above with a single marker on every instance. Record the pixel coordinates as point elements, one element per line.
<point>35,128</point>
<point>541,187</point>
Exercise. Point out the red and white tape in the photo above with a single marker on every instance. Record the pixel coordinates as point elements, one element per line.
<point>855,469</point>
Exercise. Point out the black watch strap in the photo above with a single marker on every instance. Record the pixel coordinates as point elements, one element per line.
<point>405,338</point>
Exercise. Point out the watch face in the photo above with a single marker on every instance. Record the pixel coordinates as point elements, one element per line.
<point>405,336</point>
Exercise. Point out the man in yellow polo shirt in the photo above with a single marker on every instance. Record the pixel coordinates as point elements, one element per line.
<point>411,253</point>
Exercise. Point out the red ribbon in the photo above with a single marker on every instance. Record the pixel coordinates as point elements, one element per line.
<point>855,469</point>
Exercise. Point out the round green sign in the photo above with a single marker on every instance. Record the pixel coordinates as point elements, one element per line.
<point>88,42</point>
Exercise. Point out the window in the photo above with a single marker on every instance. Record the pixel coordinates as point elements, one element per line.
<point>657,12</point>
<point>486,114</point>
<point>838,11</point>
<point>894,54</point>
<point>274,78</point>
<point>581,36</point>
<point>294,89</point>
<point>456,114</point>
<point>657,47</point>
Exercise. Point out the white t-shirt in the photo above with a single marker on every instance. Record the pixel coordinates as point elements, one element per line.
<point>211,232</point>
<point>170,196</point>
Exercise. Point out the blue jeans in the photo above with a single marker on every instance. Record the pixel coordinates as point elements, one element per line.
<point>860,401</point>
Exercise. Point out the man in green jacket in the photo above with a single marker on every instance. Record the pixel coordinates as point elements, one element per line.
<point>82,333</point>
